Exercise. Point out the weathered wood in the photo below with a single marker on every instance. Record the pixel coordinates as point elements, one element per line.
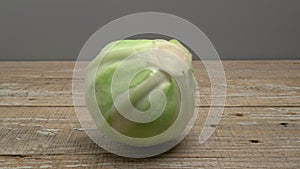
<point>259,129</point>
<point>252,92</point>
<point>243,132</point>
<point>249,83</point>
<point>243,69</point>
<point>109,161</point>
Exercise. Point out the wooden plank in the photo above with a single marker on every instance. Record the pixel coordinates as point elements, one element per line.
<point>108,161</point>
<point>36,69</point>
<point>36,92</point>
<point>233,68</point>
<point>248,132</point>
<point>57,92</point>
<point>249,83</point>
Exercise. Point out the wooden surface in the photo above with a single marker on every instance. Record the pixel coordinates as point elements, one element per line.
<point>260,127</point>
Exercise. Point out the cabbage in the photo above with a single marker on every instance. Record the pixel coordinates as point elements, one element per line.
<point>157,117</point>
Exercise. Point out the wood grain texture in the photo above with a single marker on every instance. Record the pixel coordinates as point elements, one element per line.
<point>260,127</point>
<point>249,83</point>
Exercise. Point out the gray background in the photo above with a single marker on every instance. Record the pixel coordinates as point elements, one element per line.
<point>239,29</point>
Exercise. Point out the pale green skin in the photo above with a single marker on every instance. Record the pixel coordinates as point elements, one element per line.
<point>140,88</point>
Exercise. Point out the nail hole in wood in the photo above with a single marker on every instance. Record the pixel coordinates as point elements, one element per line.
<point>254,141</point>
<point>239,114</point>
<point>213,125</point>
<point>284,124</point>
